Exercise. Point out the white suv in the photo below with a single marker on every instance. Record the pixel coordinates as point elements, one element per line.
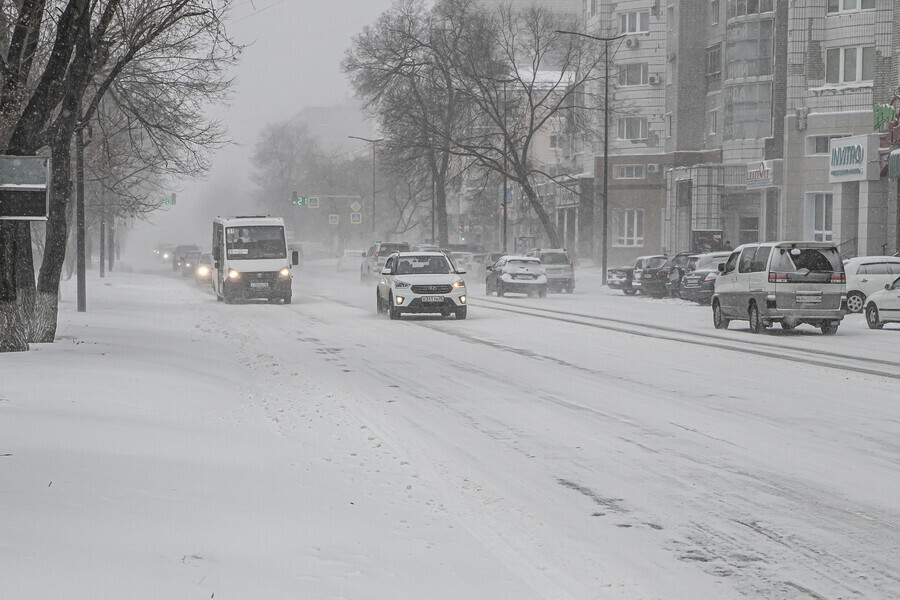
<point>420,282</point>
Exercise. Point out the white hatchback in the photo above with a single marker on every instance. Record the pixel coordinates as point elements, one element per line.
<point>867,275</point>
<point>883,306</point>
<point>421,282</point>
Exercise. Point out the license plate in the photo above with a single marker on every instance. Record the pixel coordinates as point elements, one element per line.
<point>432,299</point>
<point>637,275</point>
<point>809,299</point>
<point>259,284</point>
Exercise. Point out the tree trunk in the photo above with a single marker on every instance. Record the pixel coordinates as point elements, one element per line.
<point>46,309</point>
<point>13,331</point>
<point>111,244</point>
<point>549,227</point>
<point>440,207</point>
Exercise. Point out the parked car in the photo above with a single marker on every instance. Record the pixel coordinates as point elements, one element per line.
<point>350,260</point>
<point>883,306</point>
<point>699,280</point>
<point>785,282</point>
<point>867,275</point>
<point>645,269</point>
<point>189,263</point>
<point>420,282</point>
<point>516,274</point>
<point>558,266</point>
<point>203,271</point>
<point>673,271</point>
<point>622,277</point>
<point>374,259</point>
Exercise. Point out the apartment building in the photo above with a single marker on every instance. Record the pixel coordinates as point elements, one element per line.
<point>733,121</point>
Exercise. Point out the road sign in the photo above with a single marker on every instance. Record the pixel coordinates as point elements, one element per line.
<point>334,219</point>
<point>356,218</point>
<point>356,206</point>
<point>24,188</point>
<point>314,202</point>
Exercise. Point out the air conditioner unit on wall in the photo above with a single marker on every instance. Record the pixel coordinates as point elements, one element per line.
<point>652,79</point>
<point>632,42</point>
<point>653,168</point>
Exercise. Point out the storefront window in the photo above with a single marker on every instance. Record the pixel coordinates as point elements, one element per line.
<point>749,229</point>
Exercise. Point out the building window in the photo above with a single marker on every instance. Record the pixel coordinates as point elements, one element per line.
<point>837,6</point>
<point>670,18</point>
<point>629,171</point>
<point>629,226</point>
<point>714,62</point>
<point>630,75</point>
<point>593,7</point>
<point>820,206</point>
<point>850,64</point>
<point>748,111</point>
<point>742,8</point>
<point>713,122</point>
<point>818,144</point>
<point>633,128</point>
<point>714,12</point>
<point>555,142</point>
<point>637,21</point>
<point>667,119</point>
<point>750,48</point>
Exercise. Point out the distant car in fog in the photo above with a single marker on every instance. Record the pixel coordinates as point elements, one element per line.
<point>164,252</point>
<point>558,266</point>
<point>179,254</point>
<point>350,260</point>
<point>516,274</point>
<point>203,270</point>
<point>621,278</point>
<point>189,264</point>
<point>374,258</point>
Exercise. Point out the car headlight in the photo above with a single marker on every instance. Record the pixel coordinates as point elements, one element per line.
<point>232,274</point>
<point>459,284</point>
<point>166,255</point>
<point>711,277</point>
<point>284,272</point>
<point>201,270</point>
<point>401,285</point>
<point>187,264</point>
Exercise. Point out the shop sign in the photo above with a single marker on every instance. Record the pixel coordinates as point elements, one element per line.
<point>849,158</point>
<point>759,174</point>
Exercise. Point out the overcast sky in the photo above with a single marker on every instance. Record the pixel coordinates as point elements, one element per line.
<point>292,61</point>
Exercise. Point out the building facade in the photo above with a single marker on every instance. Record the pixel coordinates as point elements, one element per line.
<point>727,118</point>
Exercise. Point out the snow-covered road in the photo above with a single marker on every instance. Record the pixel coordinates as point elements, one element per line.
<point>540,449</point>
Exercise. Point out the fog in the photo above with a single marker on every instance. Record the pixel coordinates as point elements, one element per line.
<point>291,62</point>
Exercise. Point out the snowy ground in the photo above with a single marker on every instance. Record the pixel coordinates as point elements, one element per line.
<point>585,446</point>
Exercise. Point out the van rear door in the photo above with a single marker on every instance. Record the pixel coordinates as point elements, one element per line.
<point>807,277</point>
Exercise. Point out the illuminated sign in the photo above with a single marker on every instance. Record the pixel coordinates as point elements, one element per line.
<point>310,201</point>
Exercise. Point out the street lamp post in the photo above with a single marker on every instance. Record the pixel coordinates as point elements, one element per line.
<point>606,42</point>
<point>373,142</point>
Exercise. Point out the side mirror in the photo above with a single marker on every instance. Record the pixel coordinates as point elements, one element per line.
<point>216,265</point>
<point>385,271</point>
<point>363,254</point>
<point>217,254</point>
<point>489,268</point>
<point>887,286</point>
<point>458,272</point>
<point>721,267</point>
<point>295,258</point>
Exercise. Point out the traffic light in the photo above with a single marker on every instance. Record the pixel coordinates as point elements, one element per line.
<point>174,196</point>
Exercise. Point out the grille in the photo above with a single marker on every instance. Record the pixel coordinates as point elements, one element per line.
<point>431,289</point>
<point>268,276</point>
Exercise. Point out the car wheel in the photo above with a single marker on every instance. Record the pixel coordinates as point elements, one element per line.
<point>787,326</point>
<point>872,317</point>
<point>362,276</point>
<point>542,293</point>
<point>830,327</point>
<point>500,290</point>
<point>570,287</point>
<point>219,298</point>
<point>856,300</point>
<point>756,324</point>
<point>287,298</point>
<point>629,291</point>
<point>719,320</point>
<point>393,310</point>
<point>461,312</point>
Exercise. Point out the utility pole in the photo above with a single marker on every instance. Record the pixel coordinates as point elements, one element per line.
<point>373,142</point>
<point>79,219</point>
<point>606,42</point>
<point>505,183</point>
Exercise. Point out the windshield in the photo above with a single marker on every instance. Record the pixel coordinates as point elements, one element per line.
<point>554,258</point>
<point>423,265</point>
<point>387,249</point>
<point>255,242</point>
<point>807,264</point>
<point>654,262</point>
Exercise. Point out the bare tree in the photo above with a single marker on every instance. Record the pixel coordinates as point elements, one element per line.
<point>523,79</point>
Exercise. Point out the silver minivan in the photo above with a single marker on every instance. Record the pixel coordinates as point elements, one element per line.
<point>785,282</point>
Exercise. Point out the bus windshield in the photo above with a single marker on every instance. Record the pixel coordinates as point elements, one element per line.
<point>254,242</point>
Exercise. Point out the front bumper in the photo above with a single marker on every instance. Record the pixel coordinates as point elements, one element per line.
<point>267,285</point>
<point>414,303</point>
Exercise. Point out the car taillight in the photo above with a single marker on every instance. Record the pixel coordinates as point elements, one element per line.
<point>777,277</point>
<point>662,273</point>
<point>838,278</point>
